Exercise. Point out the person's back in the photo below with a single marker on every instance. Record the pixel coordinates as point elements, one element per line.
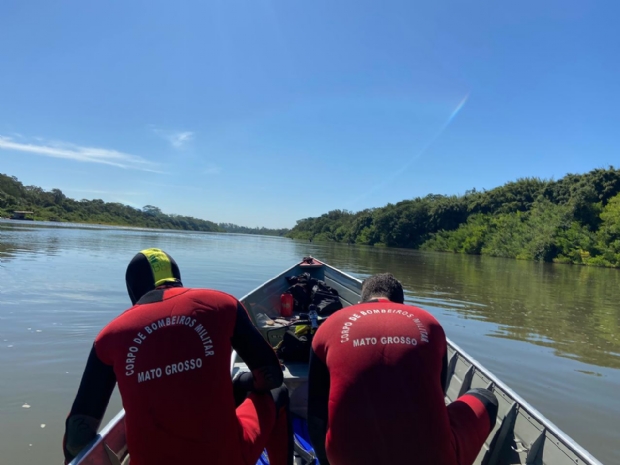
<point>377,385</point>
<point>170,354</point>
<point>166,355</point>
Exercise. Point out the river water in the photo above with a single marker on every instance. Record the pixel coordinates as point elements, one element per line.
<point>551,332</point>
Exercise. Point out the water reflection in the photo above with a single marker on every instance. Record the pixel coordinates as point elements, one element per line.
<point>571,309</point>
<point>24,241</point>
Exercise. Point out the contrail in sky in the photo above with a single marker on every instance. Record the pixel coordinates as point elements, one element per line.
<point>390,178</point>
<point>457,109</point>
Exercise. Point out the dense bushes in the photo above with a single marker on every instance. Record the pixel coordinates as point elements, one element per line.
<point>573,220</point>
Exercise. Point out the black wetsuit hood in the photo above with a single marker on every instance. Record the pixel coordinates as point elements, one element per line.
<point>149,269</point>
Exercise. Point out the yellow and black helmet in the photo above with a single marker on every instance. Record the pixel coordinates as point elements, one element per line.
<point>149,269</point>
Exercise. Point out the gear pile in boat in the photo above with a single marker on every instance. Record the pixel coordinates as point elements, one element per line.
<point>307,291</point>
<point>310,297</point>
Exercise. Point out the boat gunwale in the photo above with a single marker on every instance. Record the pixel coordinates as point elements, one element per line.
<point>100,437</point>
<point>256,289</point>
<point>525,405</point>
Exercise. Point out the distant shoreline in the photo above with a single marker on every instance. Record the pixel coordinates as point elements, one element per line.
<point>54,206</point>
<point>67,224</point>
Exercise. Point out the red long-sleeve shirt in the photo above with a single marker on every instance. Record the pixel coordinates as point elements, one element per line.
<point>170,355</point>
<point>376,391</point>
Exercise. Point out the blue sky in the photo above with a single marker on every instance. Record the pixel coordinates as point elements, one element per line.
<point>264,112</point>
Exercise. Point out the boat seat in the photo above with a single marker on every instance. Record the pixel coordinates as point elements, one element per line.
<point>295,374</point>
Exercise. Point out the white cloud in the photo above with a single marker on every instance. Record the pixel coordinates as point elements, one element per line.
<point>177,139</point>
<point>74,152</point>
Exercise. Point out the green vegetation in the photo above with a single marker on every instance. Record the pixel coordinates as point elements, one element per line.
<point>573,220</point>
<point>55,206</point>
<point>233,228</point>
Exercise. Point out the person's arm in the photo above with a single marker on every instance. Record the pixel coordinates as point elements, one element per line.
<point>318,398</point>
<point>258,355</point>
<point>90,403</point>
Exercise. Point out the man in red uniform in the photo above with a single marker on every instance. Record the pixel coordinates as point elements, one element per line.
<point>377,384</point>
<point>170,354</point>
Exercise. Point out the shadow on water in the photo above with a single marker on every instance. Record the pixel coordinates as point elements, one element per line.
<point>570,309</point>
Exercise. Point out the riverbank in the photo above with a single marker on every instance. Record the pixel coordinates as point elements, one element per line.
<point>57,207</point>
<point>91,225</point>
<point>573,220</point>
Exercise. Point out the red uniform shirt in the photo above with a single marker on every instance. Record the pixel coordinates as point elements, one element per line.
<point>383,366</point>
<point>170,355</point>
<point>172,364</point>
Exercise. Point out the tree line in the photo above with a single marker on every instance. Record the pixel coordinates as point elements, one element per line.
<point>262,231</point>
<point>575,219</point>
<point>54,205</point>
